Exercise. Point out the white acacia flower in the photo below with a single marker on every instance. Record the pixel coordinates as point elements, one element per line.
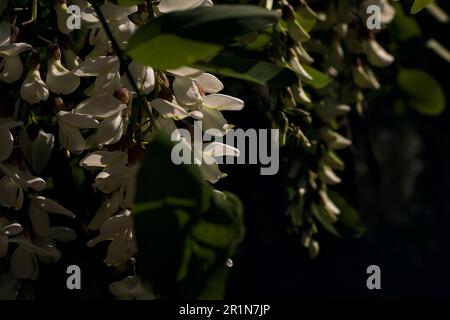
<point>130,288</point>
<point>109,207</point>
<point>38,151</point>
<point>11,66</point>
<point>376,55</point>
<point>14,182</point>
<point>70,124</point>
<point>166,6</point>
<point>38,212</point>
<point>59,79</point>
<point>71,59</point>
<point>205,157</point>
<point>6,137</point>
<point>116,174</point>
<point>106,69</point>
<point>108,109</point>
<point>143,77</point>
<point>24,260</point>
<point>119,230</point>
<point>190,93</point>
<point>170,110</point>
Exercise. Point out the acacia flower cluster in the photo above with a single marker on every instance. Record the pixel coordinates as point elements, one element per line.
<point>105,110</point>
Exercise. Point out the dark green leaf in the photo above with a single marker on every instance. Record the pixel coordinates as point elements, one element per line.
<point>319,79</point>
<point>419,5</point>
<point>250,70</point>
<point>422,91</point>
<point>184,37</point>
<point>177,185</point>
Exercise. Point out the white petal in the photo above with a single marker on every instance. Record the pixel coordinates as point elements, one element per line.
<point>6,143</point>
<point>213,119</point>
<point>71,139</point>
<point>222,102</point>
<point>120,250</point>
<point>14,49</point>
<point>71,59</point>
<point>172,111</point>
<point>166,6</point>
<point>11,195</point>
<point>105,84</point>
<point>216,149</point>
<point>12,229</point>
<point>76,120</point>
<point>211,172</point>
<point>39,220</point>
<point>94,66</point>
<point>122,288</point>
<point>105,211</point>
<point>27,180</point>
<point>110,130</point>
<point>186,92</point>
<point>117,223</point>
<point>117,12</point>
<point>185,72</point>
<point>59,79</point>
<point>51,206</point>
<point>209,83</point>
<point>11,69</point>
<point>33,89</point>
<point>63,234</point>
<point>41,151</point>
<point>100,107</point>
<point>101,159</point>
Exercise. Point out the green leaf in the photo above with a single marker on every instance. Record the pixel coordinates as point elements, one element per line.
<point>184,231</point>
<point>406,27</point>
<point>184,37</point>
<point>422,91</point>
<point>419,5</point>
<point>319,79</point>
<point>180,186</point>
<point>250,70</point>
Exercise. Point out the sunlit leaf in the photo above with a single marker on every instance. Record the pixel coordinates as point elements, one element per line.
<point>419,5</point>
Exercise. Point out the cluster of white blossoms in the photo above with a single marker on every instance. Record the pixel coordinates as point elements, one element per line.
<point>97,129</point>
